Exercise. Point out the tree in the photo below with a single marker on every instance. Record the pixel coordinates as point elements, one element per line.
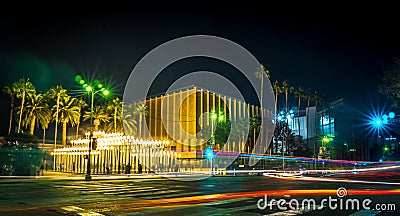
<point>255,125</point>
<point>287,88</point>
<point>81,104</point>
<point>390,84</point>
<point>68,113</point>
<point>277,89</point>
<point>141,110</point>
<point>99,114</point>
<point>307,96</point>
<point>299,93</point>
<point>263,71</point>
<point>127,121</point>
<point>22,89</point>
<point>10,93</point>
<point>56,93</point>
<point>36,109</point>
<point>115,106</point>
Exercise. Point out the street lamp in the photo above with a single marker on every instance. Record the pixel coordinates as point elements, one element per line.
<point>92,89</point>
<point>93,92</point>
<point>380,123</point>
<point>88,177</point>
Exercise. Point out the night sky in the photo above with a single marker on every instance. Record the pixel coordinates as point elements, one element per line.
<point>340,51</point>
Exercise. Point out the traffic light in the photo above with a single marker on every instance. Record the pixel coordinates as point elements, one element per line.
<point>94,143</point>
<point>209,153</point>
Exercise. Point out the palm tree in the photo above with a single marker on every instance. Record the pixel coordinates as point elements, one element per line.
<point>299,93</point>
<point>287,88</point>
<point>127,121</point>
<point>22,89</point>
<point>44,121</point>
<point>116,107</point>
<point>68,112</point>
<point>10,93</point>
<point>57,93</point>
<point>141,110</point>
<point>99,114</point>
<point>81,104</point>
<point>254,126</point>
<point>278,89</point>
<point>307,96</point>
<point>260,75</point>
<point>36,109</point>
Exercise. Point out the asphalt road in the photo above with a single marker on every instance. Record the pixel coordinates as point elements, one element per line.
<point>224,195</point>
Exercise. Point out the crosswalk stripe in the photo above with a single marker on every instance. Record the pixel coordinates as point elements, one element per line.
<point>80,211</point>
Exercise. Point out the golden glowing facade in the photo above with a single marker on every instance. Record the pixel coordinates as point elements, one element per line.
<point>172,139</point>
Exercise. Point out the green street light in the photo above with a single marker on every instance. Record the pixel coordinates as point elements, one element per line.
<point>93,88</point>
<point>385,148</point>
<point>325,139</point>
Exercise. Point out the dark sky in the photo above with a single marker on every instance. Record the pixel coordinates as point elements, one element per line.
<point>337,50</point>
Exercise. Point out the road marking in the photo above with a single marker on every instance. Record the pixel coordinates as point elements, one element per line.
<point>295,212</point>
<point>80,211</point>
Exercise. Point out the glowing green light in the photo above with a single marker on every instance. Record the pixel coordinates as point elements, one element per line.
<point>213,116</point>
<point>221,118</point>
<point>106,92</point>
<point>325,139</point>
<point>78,78</point>
<point>82,82</point>
<point>385,148</point>
<point>89,88</point>
<point>84,86</point>
<point>100,85</point>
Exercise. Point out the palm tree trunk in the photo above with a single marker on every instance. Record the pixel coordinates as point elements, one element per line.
<point>64,133</point>
<point>55,128</point>
<point>77,130</point>
<point>261,108</point>
<point>44,137</point>
<point>115,120</point>
<point>140,125</point>
<point>276,109</point>
<point>298,114</point>
<point>32,126</point>
<point>287,121</point>
<point>20,113</point>
<point>11,114</point>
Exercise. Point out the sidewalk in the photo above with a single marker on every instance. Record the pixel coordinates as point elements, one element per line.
<point>80,176</point>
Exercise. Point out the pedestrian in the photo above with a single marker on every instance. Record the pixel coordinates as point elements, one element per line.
<point>140,168</point>
<point>41,169</point>
<point>128,169</point>
<point>176,168</point>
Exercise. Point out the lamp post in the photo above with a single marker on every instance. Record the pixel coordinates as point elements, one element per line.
<point>92,89</point>
<point>88,177</point>
<point>93,92</point>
